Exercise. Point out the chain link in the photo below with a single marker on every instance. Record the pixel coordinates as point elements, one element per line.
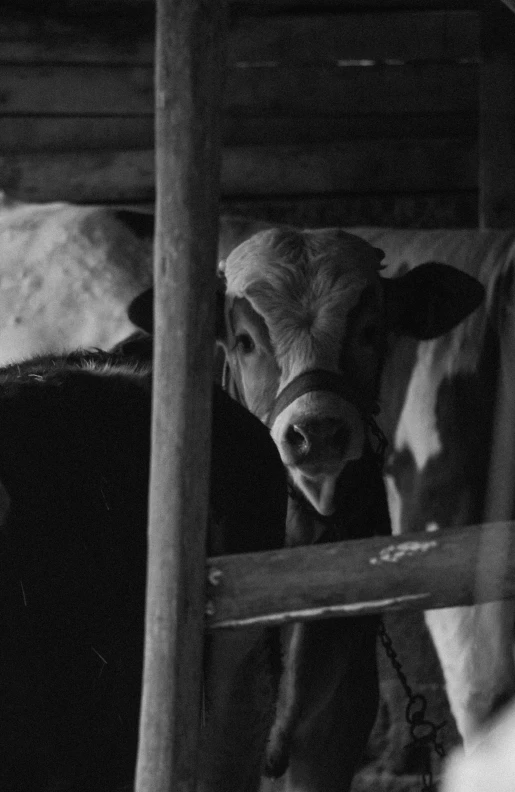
<point>423,731</point>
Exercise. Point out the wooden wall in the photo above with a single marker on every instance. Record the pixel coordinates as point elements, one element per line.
<point>362,113</point>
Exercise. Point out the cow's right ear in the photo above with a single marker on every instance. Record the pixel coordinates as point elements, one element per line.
<point>430,300</point>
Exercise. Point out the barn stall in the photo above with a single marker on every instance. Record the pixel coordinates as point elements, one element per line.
<point>357,114</point>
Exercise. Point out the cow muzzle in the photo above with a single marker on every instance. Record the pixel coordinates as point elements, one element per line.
<point>318,425</point>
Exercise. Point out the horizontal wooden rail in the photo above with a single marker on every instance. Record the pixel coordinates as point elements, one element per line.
<point>415,571</point>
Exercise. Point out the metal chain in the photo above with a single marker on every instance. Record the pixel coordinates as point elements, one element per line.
<point>423,731</point>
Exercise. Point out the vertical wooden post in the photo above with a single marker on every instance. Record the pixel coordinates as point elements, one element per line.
<point>497,120</point>
<point>188,99</point>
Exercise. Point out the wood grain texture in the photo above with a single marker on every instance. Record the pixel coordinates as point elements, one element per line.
<point>497,121</point>
<point>327,92</point>
<point>304,38</point>
<point>421,571</point>
<point>189,46</point>
<point>354,167</point>
<point>33,133</point>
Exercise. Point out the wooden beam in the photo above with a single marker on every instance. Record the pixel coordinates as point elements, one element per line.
<point>414,571</point>
<point>327,91</point>
<point>357,166</point>
<point>189,47</point>
<point>301,38</point>
<point>497,121</point>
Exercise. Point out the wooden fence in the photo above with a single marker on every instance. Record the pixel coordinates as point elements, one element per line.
<point>429,570</point>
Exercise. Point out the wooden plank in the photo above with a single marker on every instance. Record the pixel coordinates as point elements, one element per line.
<point>421,571</point>
<point>189,46</point>
<point>497,121</point>
<point>285,38</point>
<point>315,39</point>
<point>355,166</point>
<point>99,36</point>
<point>325,92</point>
<point>78,7</point>
<point>80,177</point>
<point>407,210</point>
<point>268,130</point>
<point>424,88</point>
<point>24,134</point>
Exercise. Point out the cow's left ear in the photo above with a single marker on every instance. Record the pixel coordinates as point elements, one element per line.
<point>430,300</point>
<point>141,311</point>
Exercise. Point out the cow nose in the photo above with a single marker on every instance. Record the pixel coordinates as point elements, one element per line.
<point>317,437</point>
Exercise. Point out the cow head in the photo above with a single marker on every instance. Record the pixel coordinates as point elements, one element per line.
<point>307,317</point>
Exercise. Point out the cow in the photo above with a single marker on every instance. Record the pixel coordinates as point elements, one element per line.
<point>491,765</point>
<point>74,466</point>
<point>453,464</point>
<point>69,272</point>
<point>308,320</point>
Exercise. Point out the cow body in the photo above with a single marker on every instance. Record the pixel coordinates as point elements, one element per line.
<point>307,318</point>
<point>68,274</point>
<point>74,464</point>
<point>453,464</point>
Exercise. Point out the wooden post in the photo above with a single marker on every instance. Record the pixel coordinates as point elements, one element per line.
<point>412,571</point>
<point>188,100</point>
<point>497,120</point>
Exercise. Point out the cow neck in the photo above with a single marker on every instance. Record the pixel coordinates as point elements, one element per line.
<point>321,380</point>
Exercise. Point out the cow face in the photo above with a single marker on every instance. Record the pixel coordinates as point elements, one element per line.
<point>307,317</point>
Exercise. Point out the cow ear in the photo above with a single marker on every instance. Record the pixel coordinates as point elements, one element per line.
<point>430,300</point>
<point>141,311</point>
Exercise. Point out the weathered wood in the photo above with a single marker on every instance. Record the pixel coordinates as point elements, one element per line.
<point>80,177</point>
<point>497,121</point>
<point>189,46</point>
<point>286,38</point>
<point>420,88</point>
<point>353,166</point>
<point>77,89</point>
<point>24,134</point>
<point>311,39</point>
<point>77,7</point>
<point>411,210</point>
<point>414,571</point>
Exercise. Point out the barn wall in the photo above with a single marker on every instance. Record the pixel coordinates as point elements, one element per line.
<point>362,113</point>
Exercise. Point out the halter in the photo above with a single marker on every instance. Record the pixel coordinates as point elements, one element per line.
<point>321,380</point>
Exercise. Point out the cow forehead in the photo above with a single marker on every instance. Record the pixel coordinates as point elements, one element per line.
<point>289,260</point>
<point>303,284</point>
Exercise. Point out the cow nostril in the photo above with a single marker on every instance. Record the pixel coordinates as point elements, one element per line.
<point>297,439</point>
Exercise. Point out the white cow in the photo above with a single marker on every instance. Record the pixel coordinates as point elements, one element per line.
<point>307,317</point>
<point>68,273</point>
<point>491,766</point>
<point>453,460</point>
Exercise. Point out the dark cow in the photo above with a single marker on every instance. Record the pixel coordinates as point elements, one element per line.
<point>453,464</point>
<point>307,318</point>
<point>74,454</point>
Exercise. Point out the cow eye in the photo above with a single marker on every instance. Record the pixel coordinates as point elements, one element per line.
<point>244,343</point>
